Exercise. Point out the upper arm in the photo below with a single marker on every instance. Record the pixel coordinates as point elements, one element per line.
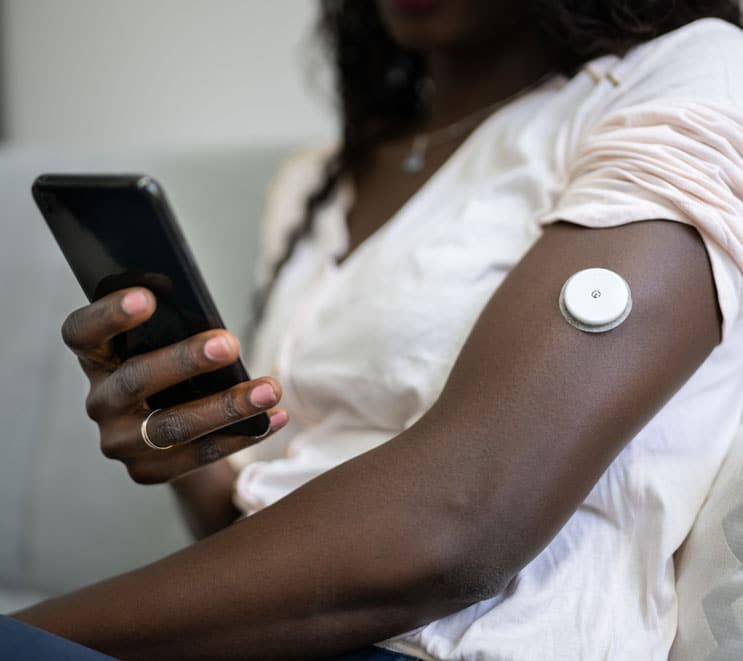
<point>535,410</point>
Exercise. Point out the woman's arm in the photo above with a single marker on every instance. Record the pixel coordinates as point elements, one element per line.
<point>446,513</point>
<point>205,498</point>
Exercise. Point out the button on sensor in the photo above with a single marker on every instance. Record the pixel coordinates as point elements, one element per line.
<point>595,300</point>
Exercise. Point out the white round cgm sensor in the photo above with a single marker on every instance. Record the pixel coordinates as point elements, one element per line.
<point>595,300</point>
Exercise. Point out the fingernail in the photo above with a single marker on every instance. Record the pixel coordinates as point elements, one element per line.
<point>278,420</point>
<point>134,302</point>
<point>263,395</point>
<point>217,348</point>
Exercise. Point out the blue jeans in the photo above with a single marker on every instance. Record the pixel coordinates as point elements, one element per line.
<point>22,642</point>
<point>373,654</point>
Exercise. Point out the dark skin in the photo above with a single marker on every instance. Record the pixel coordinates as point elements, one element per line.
<point>531,415</point>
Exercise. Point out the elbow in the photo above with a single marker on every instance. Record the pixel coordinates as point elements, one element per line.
<point>470,573</point>
<point>450,568</point>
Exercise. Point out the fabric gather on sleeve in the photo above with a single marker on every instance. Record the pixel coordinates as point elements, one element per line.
<point>673,159</point>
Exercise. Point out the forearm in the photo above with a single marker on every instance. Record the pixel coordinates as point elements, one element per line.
<point>356,556</point>
<point>205,498</point>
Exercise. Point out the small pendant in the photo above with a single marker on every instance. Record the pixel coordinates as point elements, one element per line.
<point>415,161</point>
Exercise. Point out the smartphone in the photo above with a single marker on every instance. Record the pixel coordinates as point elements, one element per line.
<point>118,231</point>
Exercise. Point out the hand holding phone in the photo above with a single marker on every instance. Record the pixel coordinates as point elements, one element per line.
<point>119,389</point>
<point>163,370</point>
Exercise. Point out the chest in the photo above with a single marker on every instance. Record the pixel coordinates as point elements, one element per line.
<point>373,339</point>
<point>381,331</point>
<point>383,186</point>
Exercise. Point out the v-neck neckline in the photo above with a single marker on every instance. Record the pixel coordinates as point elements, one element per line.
<point>344,198</point>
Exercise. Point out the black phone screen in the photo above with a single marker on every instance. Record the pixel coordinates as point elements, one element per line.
<point>118,232</point>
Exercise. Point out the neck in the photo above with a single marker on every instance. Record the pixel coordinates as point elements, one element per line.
<point>469,79</point>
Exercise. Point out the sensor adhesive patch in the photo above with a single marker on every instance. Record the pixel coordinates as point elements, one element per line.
<point>595,300</point>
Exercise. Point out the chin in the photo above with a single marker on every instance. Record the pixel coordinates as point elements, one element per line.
<point>427,25</point>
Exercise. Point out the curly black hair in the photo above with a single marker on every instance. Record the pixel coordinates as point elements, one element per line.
<point>378,83</point>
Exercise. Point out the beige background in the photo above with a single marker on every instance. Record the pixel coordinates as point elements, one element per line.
<point>107,72</point>
<point>101,72</point>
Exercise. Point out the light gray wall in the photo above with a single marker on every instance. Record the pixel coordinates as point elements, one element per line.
<point>2,74</point>
<point>99,72</point>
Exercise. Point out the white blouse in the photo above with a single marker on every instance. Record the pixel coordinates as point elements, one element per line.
<point>363,349</point>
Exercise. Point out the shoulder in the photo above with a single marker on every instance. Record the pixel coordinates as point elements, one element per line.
<point>296,178</point>
<point>665,140</point>
<point>701,59</point>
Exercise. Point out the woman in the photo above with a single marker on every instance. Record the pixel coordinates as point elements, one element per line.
<point>466,474</point>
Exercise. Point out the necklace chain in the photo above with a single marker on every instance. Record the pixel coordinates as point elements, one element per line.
<point>415,160</point>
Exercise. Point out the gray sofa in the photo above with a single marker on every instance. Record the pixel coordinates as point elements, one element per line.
<point>67,515</point>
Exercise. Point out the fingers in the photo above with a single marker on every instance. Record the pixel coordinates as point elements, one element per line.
<point>119,390</point>
<point>156,469</point>
<point>163,466</point>
<point>180,424</point>
<point>88,331</point>
<point>142,376</point>
<point>121,438</point>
